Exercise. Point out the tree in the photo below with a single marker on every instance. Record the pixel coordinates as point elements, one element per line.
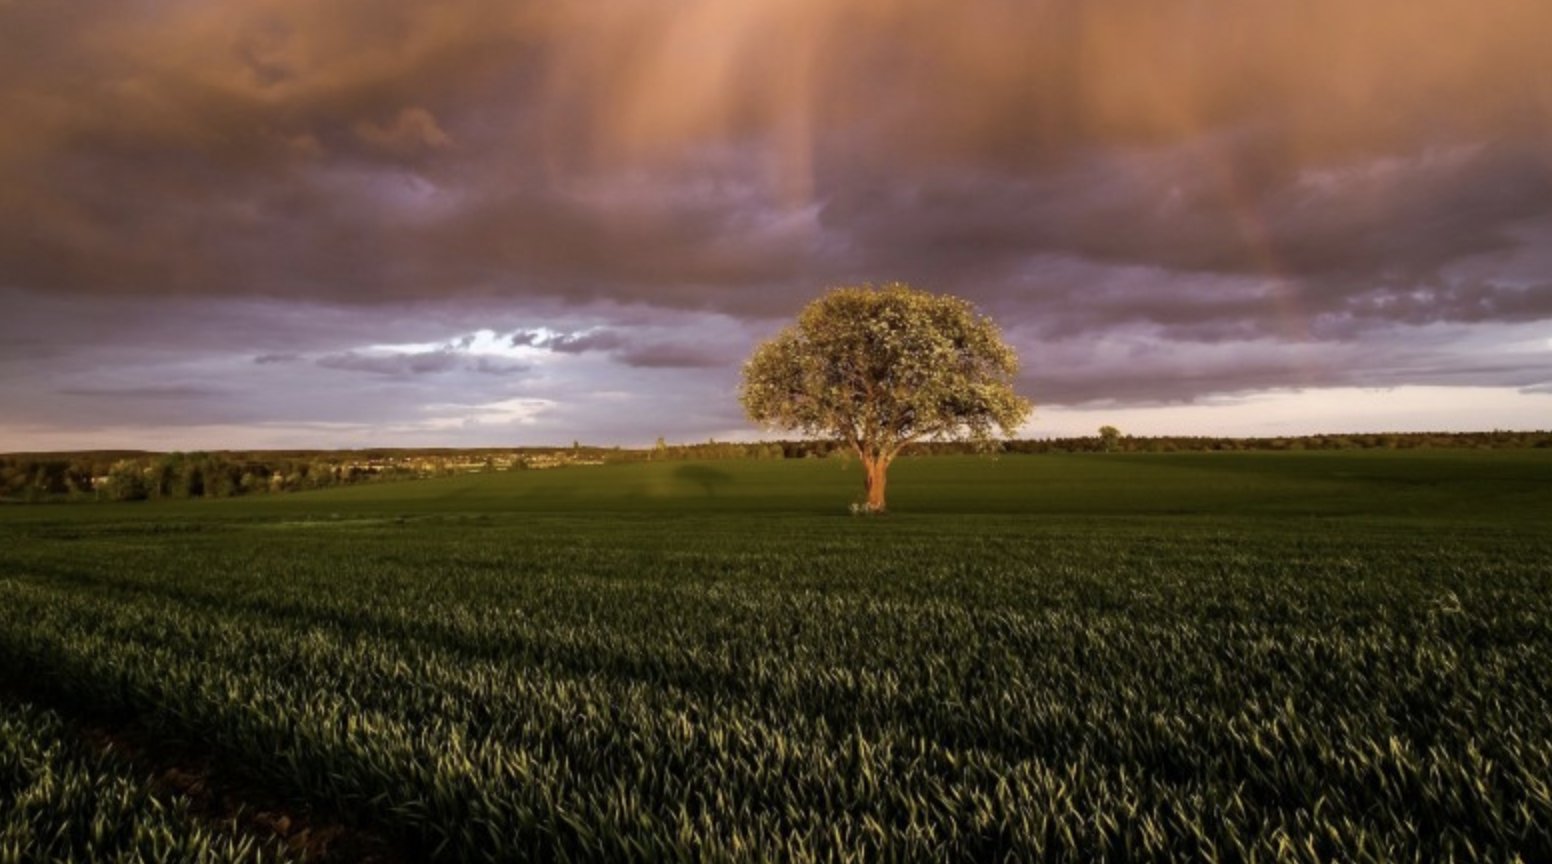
<point>1109,438</point>
<point>881,368</point>
<point>126,482</point>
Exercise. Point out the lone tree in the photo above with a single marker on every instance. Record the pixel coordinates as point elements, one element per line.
<point>1109,438</point>
<point>880,368</point>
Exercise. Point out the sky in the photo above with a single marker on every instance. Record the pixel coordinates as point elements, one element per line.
<point>284,223</point>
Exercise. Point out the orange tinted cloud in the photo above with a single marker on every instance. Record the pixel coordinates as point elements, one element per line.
<point>740,155</point>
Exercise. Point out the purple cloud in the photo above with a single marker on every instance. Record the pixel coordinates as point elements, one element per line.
<point>269,192</point>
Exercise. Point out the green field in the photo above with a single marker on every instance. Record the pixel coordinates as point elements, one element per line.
<point>62,799</point>
<point>1290,656</point>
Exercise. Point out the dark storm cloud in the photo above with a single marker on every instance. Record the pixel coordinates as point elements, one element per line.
<point>370,151</point>
<point>1333,239</point>
<point>417,363</point>
<point>268,359</point>
<point>579,343</point>
<point>1223,176</point>
<point>393,364</point>
<point>644,354</point>
<point>1139,368</point>
<point>670,356</point>
<point>1464,302</point>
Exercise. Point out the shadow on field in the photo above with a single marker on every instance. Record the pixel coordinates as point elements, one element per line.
<point>708,478</point>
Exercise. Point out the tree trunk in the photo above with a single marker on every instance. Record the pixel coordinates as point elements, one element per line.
<point>876,470</point>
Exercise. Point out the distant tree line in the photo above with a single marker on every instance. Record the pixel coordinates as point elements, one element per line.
<point>1112,441</point>
<point>135,475</point>
<point>142,476</point>
<point>138,476</point>
<point>663,451</point>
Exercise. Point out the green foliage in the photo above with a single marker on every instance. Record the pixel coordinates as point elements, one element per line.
<point>125,482</point>
<point>1109,438</point>
<point>61,800</point>
<point>1233,656</point>
<point>881,368</point>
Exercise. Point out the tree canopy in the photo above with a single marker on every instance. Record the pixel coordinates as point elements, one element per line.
<point>882,367</point>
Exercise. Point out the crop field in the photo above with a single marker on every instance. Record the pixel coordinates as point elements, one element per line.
<point>1233,657</point>
<point>62,800</point>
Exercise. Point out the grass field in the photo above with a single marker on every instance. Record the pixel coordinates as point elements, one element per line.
<point>1292,656</point>
<point>62,799</point>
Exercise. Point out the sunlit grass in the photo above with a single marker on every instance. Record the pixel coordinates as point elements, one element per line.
<point>1154,657</point>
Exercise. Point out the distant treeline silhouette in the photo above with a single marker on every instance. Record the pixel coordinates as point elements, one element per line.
<point>1097,444</point>
<point>138,475</point>
<point>126,475</point>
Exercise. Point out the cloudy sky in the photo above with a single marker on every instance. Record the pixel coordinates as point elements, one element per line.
<point>284,223</point>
